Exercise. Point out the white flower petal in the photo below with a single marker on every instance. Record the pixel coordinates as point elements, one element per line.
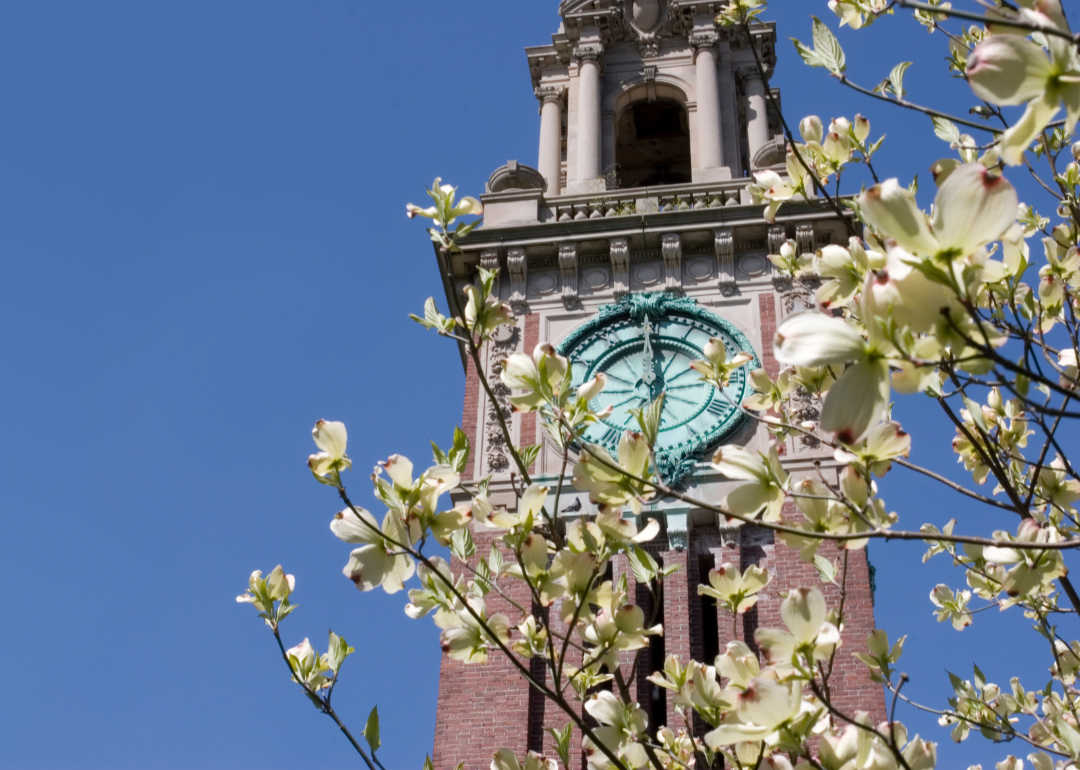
<point>331,437</point>
<point>856,401</point>
<point>891,210</point>
<point>1008,70</point>
<point>803,612</point>
<point>399,469</point>
<point>352,529</point>
<point>973,207</point>
<point>815,339</point>
<point>1016,140</point>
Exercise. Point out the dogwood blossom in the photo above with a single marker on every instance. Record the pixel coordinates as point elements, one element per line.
<point>1008,69</point>
<point>331,438</point>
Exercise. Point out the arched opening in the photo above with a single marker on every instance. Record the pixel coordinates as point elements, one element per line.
<point>652,144</point>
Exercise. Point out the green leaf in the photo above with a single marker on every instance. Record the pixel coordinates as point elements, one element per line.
<point>980,679</point>
<point>495,560</point>
<point>438,456</point>
<point>976,415</point>
<point>642,564</point>
<point>913,188</point>
<point>649,417</point>
<point>590,542</point>
<point>459,455</point>
<point>562,742</point>
<point>337,652</point>
<point>828,47</point>
<point>432,319</point>
<point>482,577</point>
<point>1069,736</point>
<point>462,545</point>
<point>946,130</point>
<point>428,764</point>
<point>1023,384</point>
<point>957,683</point>
<point>371,730</point>
<point>896,78</point>
<point>808,54</point>
<point>487,279</point>
<point>529,454</point>
<point>826,569</point>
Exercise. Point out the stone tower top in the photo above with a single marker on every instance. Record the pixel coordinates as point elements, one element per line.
<point>646,93</point>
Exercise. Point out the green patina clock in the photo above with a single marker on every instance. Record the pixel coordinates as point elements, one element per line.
<point>644,344</point>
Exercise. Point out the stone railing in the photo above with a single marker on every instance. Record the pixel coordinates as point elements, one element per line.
<point>649,200</point>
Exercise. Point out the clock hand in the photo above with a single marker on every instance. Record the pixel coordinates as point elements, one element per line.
<point>648,376</point>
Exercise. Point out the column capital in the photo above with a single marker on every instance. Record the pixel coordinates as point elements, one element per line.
<point>751,72</point>
<point>550,94</point>
<point>703,41</point>
<point>584,53</point>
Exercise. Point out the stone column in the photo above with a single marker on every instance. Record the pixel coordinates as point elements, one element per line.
<point>550,165</point>
<point>710,137</point>
<point>588,115</point>
<point>757,118</point>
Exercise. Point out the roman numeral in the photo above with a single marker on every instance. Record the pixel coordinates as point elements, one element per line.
<point>716,408</point>
<point>611,436</point>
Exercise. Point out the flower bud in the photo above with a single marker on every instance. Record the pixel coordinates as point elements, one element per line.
<point>301,656</point>
<point>837,147</point>
<point>715,351</point>
<point>591,389</point>
<point>839,126</point>
<point>810,128</point>
<point>1076,151</point>
<point>279,584</point>
<point>861,128</point>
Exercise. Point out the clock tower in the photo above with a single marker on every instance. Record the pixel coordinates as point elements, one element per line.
<point>631,244</point>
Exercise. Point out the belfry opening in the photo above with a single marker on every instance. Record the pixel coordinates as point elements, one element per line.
<point>652,144</point>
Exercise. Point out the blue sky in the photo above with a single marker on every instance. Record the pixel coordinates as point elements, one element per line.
<point>204,251</point>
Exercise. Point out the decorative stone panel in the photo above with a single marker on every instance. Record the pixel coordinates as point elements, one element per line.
<point>671,246</point>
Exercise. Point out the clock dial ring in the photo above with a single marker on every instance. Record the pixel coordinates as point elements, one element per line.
<point>644,344</point>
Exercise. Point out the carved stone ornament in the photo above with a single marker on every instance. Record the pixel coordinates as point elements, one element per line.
<point>752,72</point>
<point>515,176</point>
<point>518,268</point>
<point>725,259</point>
<point>504,334</point>
<point>777,238</point>
<point>550,94</point>
<point>729,533</point>
<point>805,408</point>
<point>584,53</point>
<point>671,246</point>
<point>646,14</point>
<point>678,529</point>
<point>568,269</point>
<point>804,237</point>
<point>489,260</point>
<point>498,456</point>
<point>703,42</point>
<point>620,266</point>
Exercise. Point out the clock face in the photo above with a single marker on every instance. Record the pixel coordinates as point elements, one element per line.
<point>645,354</point>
